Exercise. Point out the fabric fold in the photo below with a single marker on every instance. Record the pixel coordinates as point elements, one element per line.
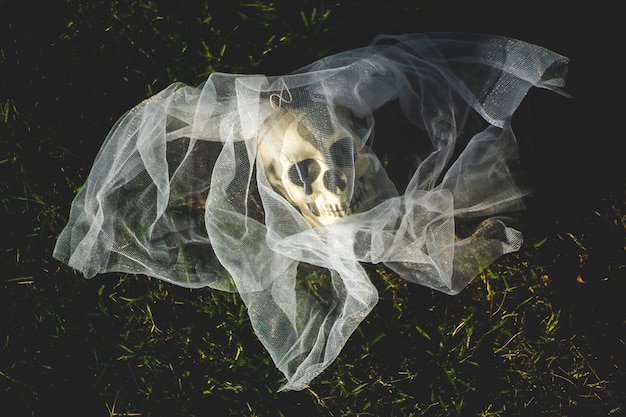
<point>279,187</point>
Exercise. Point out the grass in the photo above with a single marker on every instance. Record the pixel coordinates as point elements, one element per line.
<point>538,333</point>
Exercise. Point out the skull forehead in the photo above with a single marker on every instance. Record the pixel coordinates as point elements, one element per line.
<point>310,132</point>
<point>282,141</point>
<point>322,126</point>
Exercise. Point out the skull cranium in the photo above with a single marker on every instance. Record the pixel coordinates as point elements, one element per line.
<point>316,161</point>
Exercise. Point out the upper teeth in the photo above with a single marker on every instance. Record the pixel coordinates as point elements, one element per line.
<point>337,210</point>
<point>341,209</point>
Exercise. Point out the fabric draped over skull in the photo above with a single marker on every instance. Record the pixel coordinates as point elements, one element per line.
<point>270,186</point>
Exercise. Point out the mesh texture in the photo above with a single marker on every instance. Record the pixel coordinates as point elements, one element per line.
<point>268,185</point>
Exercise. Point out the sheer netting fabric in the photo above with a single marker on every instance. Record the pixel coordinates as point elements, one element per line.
<point>270,186</point>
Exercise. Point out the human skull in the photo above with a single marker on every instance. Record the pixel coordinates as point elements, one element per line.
<point>314,159</point>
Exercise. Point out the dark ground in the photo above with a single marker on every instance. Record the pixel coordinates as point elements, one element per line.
<point>69,69</point>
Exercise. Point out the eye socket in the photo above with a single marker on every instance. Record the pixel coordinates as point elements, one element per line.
<point>304,173</point>
<point>335,181</point>
<point>342,152</point>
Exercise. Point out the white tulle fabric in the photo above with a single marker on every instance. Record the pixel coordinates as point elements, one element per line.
<point>178,191</point>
